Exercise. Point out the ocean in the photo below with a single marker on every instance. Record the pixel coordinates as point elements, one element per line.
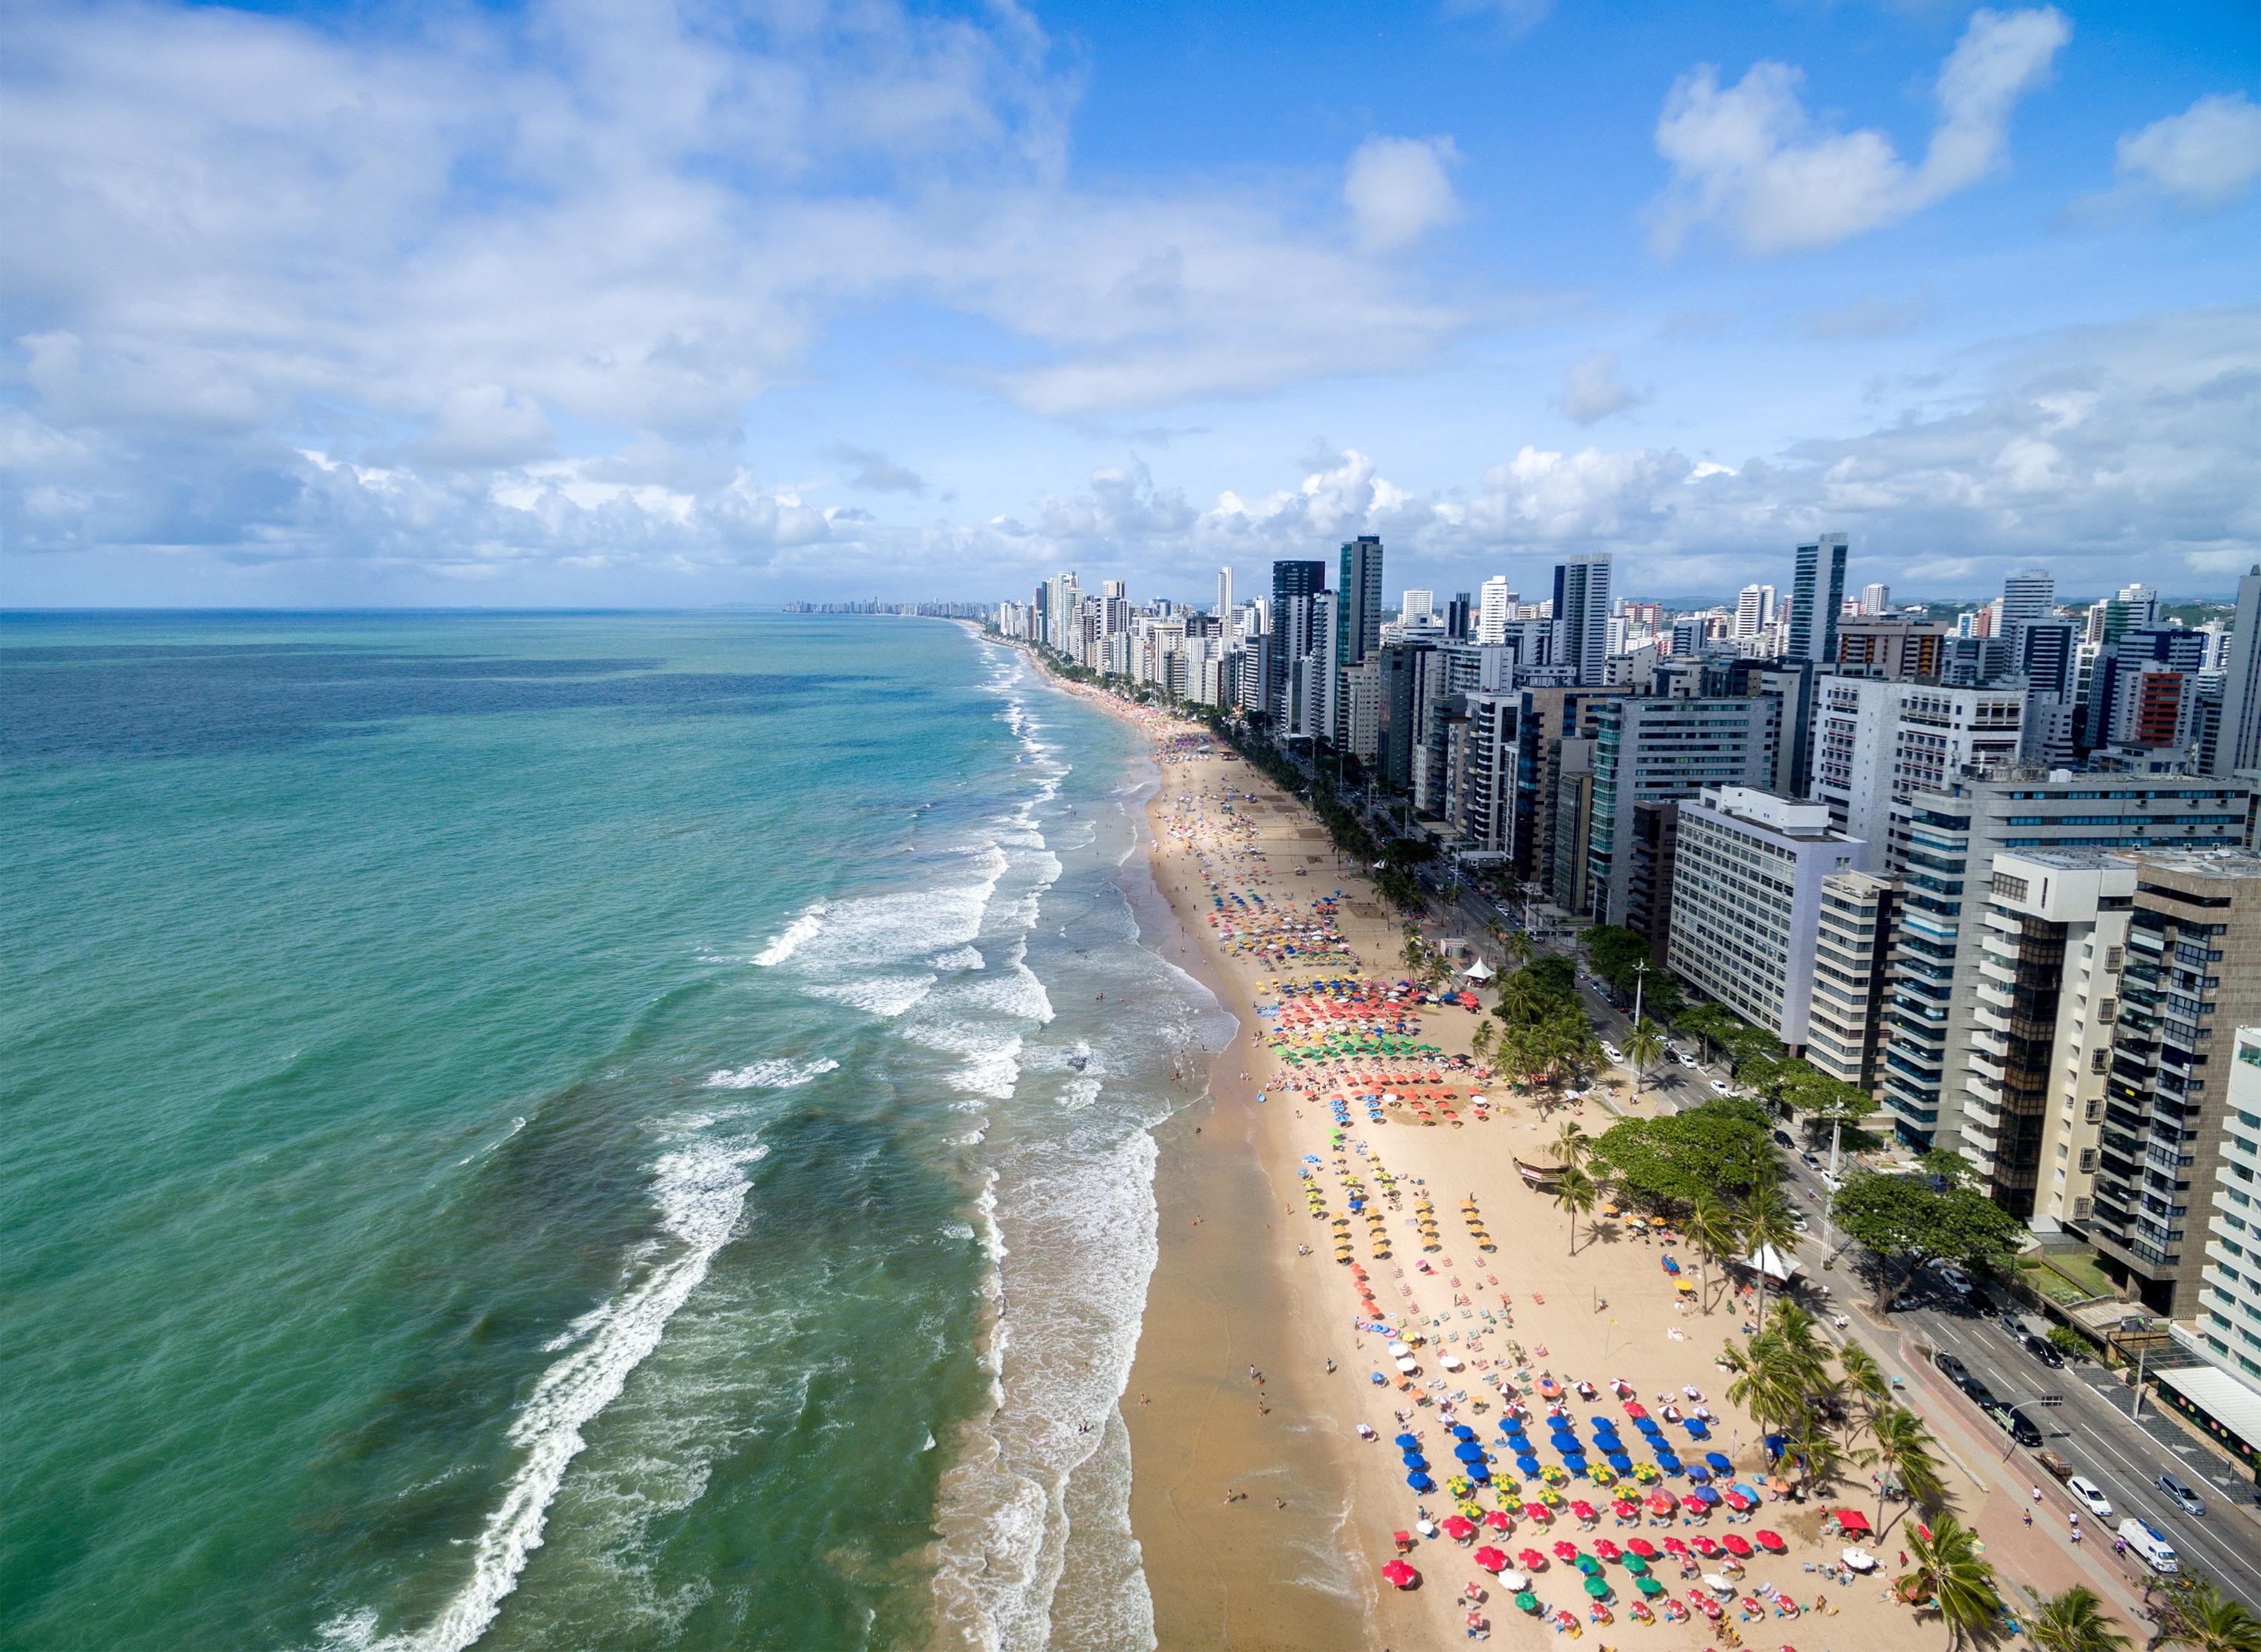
<point>560,1130</point>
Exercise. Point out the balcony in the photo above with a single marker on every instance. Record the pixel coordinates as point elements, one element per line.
<point>1992,969</point>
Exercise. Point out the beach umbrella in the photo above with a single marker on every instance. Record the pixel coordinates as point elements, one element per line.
<point>1536,1512</point>
<point>1666,1461</point>
<point>1747,1490</point>
<point>1492,1560</point>
<point>1697,1430</point>
<point>1708,1496</point>
<point>1584,1510</point>
<point>1741,1504</point>
<point>1461,1430</point>
<point>1704,1547</point>
<point>1646,1424</point>
<point>1676,1546</point>
<point>1399,1575</point>
<point>1573,1462</point>
<point>1625,1509</point>
<point>1563,1442</point>
<point>1650,1587</point>
<point>1415,1460</point>
<point>1420,1482</point>
<point>1526,1465</point>
<point>1514,1581</point>
<point>1526,1601</point>
<point>1636,1565</point>
<point>1408,1442</point>
<point>1737,1545</point>
<point>1633,1408</point>
<point>1718,1460</point>
<point>1468,1451</point>
<point>1588,1565</point>
<point>1566,1550</point>
<point>1531,1560</point>
<point>1597,1587</point>
<point>1661,1502</point>
<point>1498,1519</point>
<point>1620,1462</point>
<point>1459,1528</point>
<point>1699,1474</point>
<point>1606,1549</point>
<point>1771,1541</point>
<point>1642,1546</point>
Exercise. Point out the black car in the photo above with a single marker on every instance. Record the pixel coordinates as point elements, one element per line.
<point>1783,1138</point>
<point>1957,1373</point>
<point>2015,1423</point>
<point>2043,1350</point>
<point>1981,1396</point>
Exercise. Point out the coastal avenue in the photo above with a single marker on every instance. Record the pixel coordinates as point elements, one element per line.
<point>2089,1427</point>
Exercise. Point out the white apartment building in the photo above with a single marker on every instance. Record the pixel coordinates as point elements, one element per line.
<point>1747,891</point>
<point>2226,1328</point>
<point>1497,609</point>
<point>1852,951</point>
<point>1754,610</point>
<point>1877,742</point>
<point>2051,941</point>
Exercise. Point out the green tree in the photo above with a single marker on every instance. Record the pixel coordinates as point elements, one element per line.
<point>1575,1193</point>
<point>1642,1047</point>
<point>1712,1224</point>
<point>1520,946</point>
<point>1864,1379</point>
<point>2075,1621</point>
<point>1480,1041</point>
<point>1571,1145</point>
<point>1766,1226</point>
<point>1902,1449</point>
<point>1898,1217</point>
<point>1953,1579</point>
<point>1720,1147</point>
<point>1710,1024</point>
<point>1523,1001</point>
<point>2203,1618</point>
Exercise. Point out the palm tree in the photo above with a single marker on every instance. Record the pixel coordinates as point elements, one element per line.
<point>1796,1334</point>
<point>1480,1041</point>
<point>1521,948</point>
<point>1571,1145</point>
<point>1760,1380</point>
<point>1766,1226</point>
<point>1903,1450</point>
<point>1952,1579</point>
<point>1717,1233</point>
<point>1522,1001</point>
<point>2075,1621</point>
<point>1864,1377</point>
<point>1642,1047</point>
<point>1575,1193</point>
<point>2205,1618</point>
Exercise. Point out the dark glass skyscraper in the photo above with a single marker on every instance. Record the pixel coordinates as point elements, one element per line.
<point>1817,597</point>
<point>1294,584</point>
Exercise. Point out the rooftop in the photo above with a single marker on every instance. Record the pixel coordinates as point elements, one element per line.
<point>2227,864</point>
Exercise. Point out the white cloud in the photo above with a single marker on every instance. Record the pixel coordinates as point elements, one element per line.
<point>1751,158</point>
<point>1593,389</point>
<point>2203,157</point>
<point>1514,18</point>
<point>1869,316</point>
<point>876,470</point>
<point>1396,190</point>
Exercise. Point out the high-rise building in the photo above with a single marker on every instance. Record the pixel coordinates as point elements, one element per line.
<point>1498,608</point>
<point>1457,619</point>
<point>2238,745</point>
<point>1295,588</point>
<point>1874,599</point>
<point>1653,749</point>
<point>2025,597</point>
<point>1876,743</point>
<point>1357,617</point>
<point>2192,977</point>
<point>1416,602</point>
<point>1852,956</point>
<point>1224,601</point>
<point>2134,607</point>
<point>1899,650</point>
<point>1817,599</point>
<point>2224,1323</point>
<point>1754,610</point>
<point>2145,687</point>
<point>1581,616</point>
<point>1747,891</point>
<point>1946,839</point>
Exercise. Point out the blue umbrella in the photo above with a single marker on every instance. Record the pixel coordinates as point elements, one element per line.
<point>1696,1430</point>
<point>1666,1461</point>
<point>1620,1462</point>
<point>1775,1444</point>
<point>1646,1424</point>
<point>1562,1439</point>
<point>1700,1475</point>
<point>1468,1451</point>
<point>1461,1430</point>
<point>1480,1472</point>
<point>1608,1442</point>
<point>1406,1442</point>
<point>1573,1462</point>
<point>1750,1491</point>
<point>1526,1465</point>
<point>1706,1494</point>
<point>1420,1482</point>
<point>1415,1460</point>
<point>1718,1460</point>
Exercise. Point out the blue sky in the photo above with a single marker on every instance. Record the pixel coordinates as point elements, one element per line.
<point>587,303</point>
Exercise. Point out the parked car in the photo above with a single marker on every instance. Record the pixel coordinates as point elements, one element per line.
<point>1810,1161</point>
<point>1953,1278</point>
<point>1981,1396</point>
<point>1955,1370</point>
<point>2090,1495</point>
<point>1782,1139</point>
<point>2015,1423</point>
<point>2181,1493</point>
<point>2043,1350</point>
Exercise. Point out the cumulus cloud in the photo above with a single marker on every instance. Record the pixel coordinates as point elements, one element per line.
<point>1593,389</point>
<point>1397,191</point>
<point>1751,160</point>
<point>2203,158</point>
<point>876,470</point>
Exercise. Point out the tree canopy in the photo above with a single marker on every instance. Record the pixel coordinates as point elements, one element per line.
<point>1907,1218</point>
<point>1722,1146</point>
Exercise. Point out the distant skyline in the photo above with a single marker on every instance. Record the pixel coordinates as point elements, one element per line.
<point>656,306</point>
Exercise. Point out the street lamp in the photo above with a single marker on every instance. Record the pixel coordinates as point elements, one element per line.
<point>1640,980</point>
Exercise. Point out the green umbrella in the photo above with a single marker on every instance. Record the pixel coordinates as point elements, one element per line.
<point>1651,1587</point>
<point>1588,1565</point>
<point>1527,1602</point>
<point>1636,1565</point>
<point>1597,1587</point>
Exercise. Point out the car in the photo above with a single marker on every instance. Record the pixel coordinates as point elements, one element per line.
<point>1688,1060</point>
<point>1719,1088</point>
<point>2151,1545</point>
<point>2182,1494</point>
<point>1953,1278</point>
<point>2090,1496</point>
<point>1810,1161</point>
<point>2015,1423</point>
<point>1981,1396</point>
<point>2042,1349</point>
<point>1782,1139</point>
<point>1952,1368</point>
<point>1835,1184</point>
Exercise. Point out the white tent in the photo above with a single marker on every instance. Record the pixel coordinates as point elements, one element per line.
<point>1478,971</point>
<point>1772,1262</point>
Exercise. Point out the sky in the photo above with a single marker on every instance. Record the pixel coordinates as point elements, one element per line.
<point>636,304</point>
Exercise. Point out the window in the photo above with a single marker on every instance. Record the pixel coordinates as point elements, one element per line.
<point>2010,888</point>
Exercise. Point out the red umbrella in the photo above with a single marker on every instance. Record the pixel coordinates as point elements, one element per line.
<point>1625,1509</point>
<point>1400,1575</point>
<point>1532,1560</point>
<point>1741,1504</point>
<point>1643,1548</point>
<point>1771,1541</point>
<point>1635,1410</point>
<point>1606,1549</point>
<point>1704,1547</point>
<point>1537,1511</point>
<point>1734,1544</point>
<point>1566,1551</point>
<point>1459,1528</point>
<point>1853,1519</point>
<point>1674,1546</point>
<point>1498,1519</point>
<point>1703,1604</point>
<point>1584,1511</point>
<point>1492,1560</point>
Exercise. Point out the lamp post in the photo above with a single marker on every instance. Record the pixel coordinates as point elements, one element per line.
<point>1640,980</point>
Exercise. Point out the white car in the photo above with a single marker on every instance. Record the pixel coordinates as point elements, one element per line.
<point>2090,1495</point>
<point>1688,1060</point>
<point>1611,1050</point>
<point>1719,1089</point>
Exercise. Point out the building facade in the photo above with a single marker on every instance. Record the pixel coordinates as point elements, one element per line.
<point>1657,749</point>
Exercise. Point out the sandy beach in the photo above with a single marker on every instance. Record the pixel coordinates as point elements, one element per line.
<point>1265,1513</point>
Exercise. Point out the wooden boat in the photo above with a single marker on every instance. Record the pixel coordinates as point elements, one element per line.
<point>1537,1176</point>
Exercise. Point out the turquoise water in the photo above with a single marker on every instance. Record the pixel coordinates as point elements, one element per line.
<point>522,1131</point>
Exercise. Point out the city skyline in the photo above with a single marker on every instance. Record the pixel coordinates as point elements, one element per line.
<point>312,308</point>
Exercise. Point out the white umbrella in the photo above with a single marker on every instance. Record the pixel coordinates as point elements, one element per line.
<point>1772,1262</point>
<point>1860,1560</point>
<point>1514,1583</point>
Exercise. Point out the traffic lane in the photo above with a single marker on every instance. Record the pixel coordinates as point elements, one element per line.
<point>2097,1446</point>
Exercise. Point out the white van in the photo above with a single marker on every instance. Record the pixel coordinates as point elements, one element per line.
<point>2145,1542</point>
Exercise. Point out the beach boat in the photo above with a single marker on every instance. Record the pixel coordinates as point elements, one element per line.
<point>1538,1176</point>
